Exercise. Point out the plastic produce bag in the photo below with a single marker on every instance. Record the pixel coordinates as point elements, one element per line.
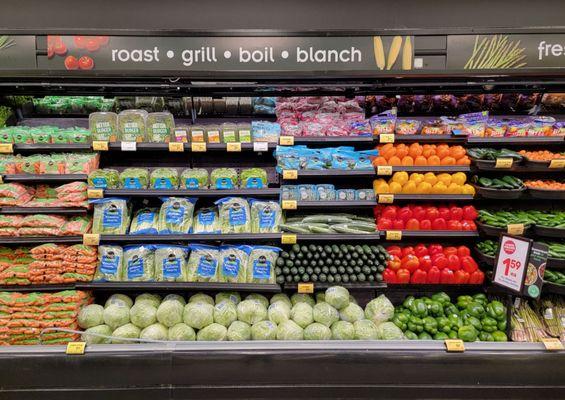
<point>139,263</point>
<point>110,264</point>
<point>203,263</point>
<point>160,126</point>
<point>206,220</point>
<point>170,263</point>
<point>131,125</point>
<point>164,178</point>
<point>111,216</point>
<point>233,262</point>
<point>224,178</point>
<point>134,178</point>
<point>261,263</point>
<point>254,178</point>
<point>234,215</point>
<point>104,179</point>
<point>175,216</point>
<point>103,126</point>
<point>196,178</point>
<point>144,222</point>
<point>265,216</point>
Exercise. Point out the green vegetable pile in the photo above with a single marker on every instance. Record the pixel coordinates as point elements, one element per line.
<point>330,223</point>
<point>335,263</point>
<point>503,183</point>
<point>553,276</point>
<point>490,248</point>
<point>492,154</point>
<point>5,113</point>
<point>501,218</point>
<point>470,318</point>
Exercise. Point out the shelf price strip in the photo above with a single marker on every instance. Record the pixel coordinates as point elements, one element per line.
<point>290,174</point>
<point>306,288</point>
<point>75,348</point>
<point>393,235</point>
<point>233,147</point>
<point>128,146</point>
<point>176,147</point>
<point>385,198</point>
<point>515,229</point>
<point>198,147</point>
<point>558,163</point>
<point>552,344</point>
<point>95,193</point>
<point>260,146</point>
<point>99,145</point>
<point>289,205</point>
<point>6,148</point>
<point>454,345</point>
<point>503,163</point>
<point>286,140</point>
<point>384,170</point>
<point>386,138</point>
<point>288,238</point>
<point>91,239</point>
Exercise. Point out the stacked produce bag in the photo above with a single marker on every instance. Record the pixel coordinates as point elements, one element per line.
<point>43,225</point>
<point>56,163</point>
<point>72,194</point>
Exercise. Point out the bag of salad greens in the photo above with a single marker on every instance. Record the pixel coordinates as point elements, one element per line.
<point>206,220</point>
<point>145,222</point>
<point>234,215</point>
<point>139,261</point>
<point>261,264</point>
<point>233,261</point>
<point>175,215</point>
<point>224,178</point>
<point>164,178</point>
<point>194,178</point>
<point>134,178</point>
<point>254,178</point>
<point>104,179</point>
<point>265,216</point>
<point>110,264</point>
<point>111,216</point>
<point>170,263</point>
<point>203,263</point>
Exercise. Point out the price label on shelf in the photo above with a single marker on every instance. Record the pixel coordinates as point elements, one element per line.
<point>129,146</point>
<point>6,148</point>
<point>552,344</point>
<point>234,147</point>
<point>504,163</point>
<point>558,163</point>
<point>290,174</point>
<point>515,229</point>
<point>75,348</point>
<point>95,193</point>
<point>91,239</point>
<point>512,262</point>
<point>176,147</point>
<point>1,179</point>
<point>260,146</point>
<point>393,235</point>
<point>99,145</point>
<point>386,138</point>
<point>288,238</point>
<point>306,288</point>
<point>386,198</point>
<point>384,170</point>
<point>286,140</point>
<point>198,147</point>
<point>289,205</point>
<point>454,345</point>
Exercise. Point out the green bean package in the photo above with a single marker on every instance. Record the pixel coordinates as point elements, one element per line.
<point>254,178</point>
<point>261,263</point>
<point>206,220</point>
<point>224,178</point>
<point>134,178</point>
<point>196,178</point>
<point>110,264</point>
<point>234,215</point>
<point>233,263</point>
<point>170,263</point>
<point>265,216</point>
<point>145,222</point>
<point>111,216</point>
<point>203,263</point>
<point>104,179</point>
<point>175,216</point>
<point>139,263</point>
<point>131,124</point>
<point>160,126</point>
<point>164,178</point>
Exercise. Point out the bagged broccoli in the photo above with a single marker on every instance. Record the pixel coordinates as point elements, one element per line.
<point>203,263</point>
<point>104,179</point>
<point>160,126</point>
<point>164,178</point>
<point>131,125</point>
<point>253,178</point>
<point>111,216</point>
<point>170,263</point>
<point>110,268</point>
<point>139,263</point>
<point>233,263</point>
<point>206,220</point>
<point>134,178</point>
<point>175,216</point>
<point>144,222</point>
<point>234,215</point>
<point>261,264</point>
<point>224,178</point>
<point>265,216</point>
<point>196,178</point>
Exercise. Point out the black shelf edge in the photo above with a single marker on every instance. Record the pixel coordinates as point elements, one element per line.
<point>517,140</point>
<point>372,173</point>
<point>45,178</point>
<point>48,147</point>
<point>552,288</point>
<point>519,169</point>
<point>269,192</point>
<point>231,237</point>
<point>436,234</point>
<point>433,287</point>
<point>164,147</point>
<point>40,239</point>
<point>373,203</point>
<point>44,210</point>
<point>37,288</point>
<point>175,286</point>
<point>430,139</point>
<point>337,237</point>
<point>349,286</point>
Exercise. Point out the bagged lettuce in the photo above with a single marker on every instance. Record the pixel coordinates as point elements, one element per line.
<point>203,263</point>
<point>139,263</point>
<point>131,125</point>
<point>224,178</point>
<point>206,220</point>
<point>104,179</point>
<point>234,215</point>
<point>175,216</point>
<point>261,264</point>
<point>233,261</point>
<point>110,267</point>
<point>164,178</point>
<point>170,263</point>
<point>111,216</point>
<point>144,222</point>
<point>265,216</point>
<point>160,126</point>
<point>134,178</point>
<point>254,178</point>
<point>194,178</point>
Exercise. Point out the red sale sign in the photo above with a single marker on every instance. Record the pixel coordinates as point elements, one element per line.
<point>511,263</point>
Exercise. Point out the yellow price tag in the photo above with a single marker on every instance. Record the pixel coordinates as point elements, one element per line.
<point>306,288</point>
<point>558,163</point>
<point>288,238</point>
<point>6,148</point>
<point>91,239</point>
<point>515,229</point>
<point>1,179</point>
<point>393,235</point>
<point>289,205</point>
<point>384,170</point>
<point>386,138</point>
<point>235,147</point>
<point>503,163</point>
<point>198,147</point>
<point>552,344</point>
<point>75,348</point>
<point>286,140</point>
<point>176,147</point>
<point>95,193</point>
<point>386,198</point>
<point>99,145</point>
<point>454,345</point>
<point>290,174</point>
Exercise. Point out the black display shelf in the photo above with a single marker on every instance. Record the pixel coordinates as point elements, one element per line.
<point>51,147</point>
<point>36,288</point>
<point>552,288</point>
<point>44,210</point>
<point>520,168</point>
<point>337,237</point>
<point>164,147</point>
<point>437,234</point>
<point>516,141</point>
<point>45,178</point>
<point>335,140</point>
<point>349,286</point>
<point>450,139</point>
<point>372,203</point>
<point>20,240</point>
<point>209,193</point>
<point>228,237</point>
<point>332,173</point>
<point>178,286</point>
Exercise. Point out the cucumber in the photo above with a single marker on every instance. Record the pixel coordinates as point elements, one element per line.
<point>346,228</point>
<point>318,229</point>
<point>326,219</point>
<point>294,228</point>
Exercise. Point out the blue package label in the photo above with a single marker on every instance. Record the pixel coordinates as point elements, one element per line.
<point>174,214</point>
<point>171,268</point>
<point>206,218</point>
<point>132,183</point>
<point>254,183</point>
<point>191,183</point>
<point>109,264</point>
<point>207,267</point>
<point>146,217</point>
<point>163,183</point>
<point>111,218</point>
<point>261,269</point>
<point>135,268</point>
<point>230,266</point>
<point>224,183</point>
<point>266,218</point>
<point>237,216</point>
<point>100,183</point>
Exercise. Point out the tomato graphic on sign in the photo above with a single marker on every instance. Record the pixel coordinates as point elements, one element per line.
<point>80,46</point>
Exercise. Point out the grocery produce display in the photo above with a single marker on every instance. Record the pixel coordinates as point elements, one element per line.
<point>44,135</point>
<point>533,322</point>
<point>330,224</point>
<point>72,194</point>
<point>43,225</point>
<point>421,155</point>
<point>428,183</point>
<point>416,217</point>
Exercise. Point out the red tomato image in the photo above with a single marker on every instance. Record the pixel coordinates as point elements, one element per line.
<point>71,62</point>
<point>85,62</point>
<point>80,42</point>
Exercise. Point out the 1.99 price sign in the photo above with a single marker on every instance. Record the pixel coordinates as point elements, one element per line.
<point>511,262</point>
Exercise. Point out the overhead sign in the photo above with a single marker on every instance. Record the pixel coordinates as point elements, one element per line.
<point>17,52</point>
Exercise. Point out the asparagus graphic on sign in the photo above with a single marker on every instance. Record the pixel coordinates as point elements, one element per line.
<point>396,46</point>
<point>496,52</point>
<point>6,42</point>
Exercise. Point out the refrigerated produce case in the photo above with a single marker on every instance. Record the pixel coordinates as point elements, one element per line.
<point>430,76</point>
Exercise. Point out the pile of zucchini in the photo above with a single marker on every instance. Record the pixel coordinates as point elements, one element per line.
<point>330,223</point>
<point>556,277</point>
<point>506,182</point>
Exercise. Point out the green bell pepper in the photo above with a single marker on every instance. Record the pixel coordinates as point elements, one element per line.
<point>489,324</point>
<point>463,301</point>
<point>475,309</point>
<point>435,309</point>
<point>410,335</point>
<point>480,298</point>
<point>450,309</point>
<point>400,320</point>
<point>502,326</point>
<point>424,336</point>
<point>441,336</point>
<point>443,324</point>
<point>441,297</point>
<point>430,325</point>
<point>496,310</point>
<point>467,333</point>
<point>473,321</point>
<point>455,321</point>
<point>426,300</point>
<point>499,336</point>
<point>486,337</point>
<point>415,324</point>
<point>452,335</point>
<point>408,302</point>
<point>419,308</point>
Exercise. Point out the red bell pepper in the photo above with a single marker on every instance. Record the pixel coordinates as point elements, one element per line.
<point>439,224</point>
<point>470,213</point>
<point>389,212</point>
<point>412,224</point>
<point>405,213</point>
<point>453,225</point>
<point>460,277</point>
<point>407,250</point>
<point>394,264</point>
<point>463,251</point>
<point>449,250</point>
<point>453,262</point>
<point>419,213</point>
<point>420,250</point>
<point>419,277</point>
<point>384,224</point>
<point>439,260</point>
<point>425,263</point>
<point>467,225</point>
<point>477,277</point>
<point>410,262</point>
<point>468,264</point>
<point>435,248</point>
<point>456,213</point>
<point>402,276</point>
<point>444,213</point>
<point>389,276</point>
<point>425,225</point>
<point>446,276</point>
<point>398,224</point>
<point>433,275</point>
<point>432,213</point>
<point>394,250</point>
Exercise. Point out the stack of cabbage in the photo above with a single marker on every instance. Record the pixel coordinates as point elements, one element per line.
<point>332,315</point>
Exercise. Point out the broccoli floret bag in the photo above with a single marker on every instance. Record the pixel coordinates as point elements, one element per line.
<point>170,263</point>
<point>110,268</point>
<point>234,215</point>
<point>265,216</point>
<point>175,216</point>
<point>206,220</point>
<point>261,263</point>
<point>233,261</point>
<point>203,263</point>
<point>145,222</point>
<point>139,263</point>
<point>111,216</point>
<point>196,178</point>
